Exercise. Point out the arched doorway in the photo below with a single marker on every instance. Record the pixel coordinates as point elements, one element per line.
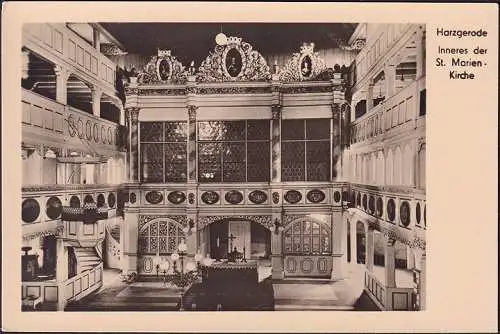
<point>307,249</point>
<point>158,239</point>
<point>227,234</point>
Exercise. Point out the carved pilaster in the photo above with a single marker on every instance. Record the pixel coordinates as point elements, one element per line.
<point>133,115</point>
<point>62,75</point>
<point>192,143</point>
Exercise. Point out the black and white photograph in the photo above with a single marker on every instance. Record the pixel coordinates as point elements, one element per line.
<point>223,166</point>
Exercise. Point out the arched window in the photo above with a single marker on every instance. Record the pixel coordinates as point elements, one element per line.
<point>307,237</point>
<point>160,237</point>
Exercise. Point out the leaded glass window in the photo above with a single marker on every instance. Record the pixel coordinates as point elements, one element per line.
<point>305,150</point>
<point>306,237</point>
<point>162,237</point>
<point>233,151</point>
<point>163,152</point>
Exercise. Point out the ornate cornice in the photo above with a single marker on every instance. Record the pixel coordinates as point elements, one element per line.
<point>163,92</point>
<point>232,90</point>
<point>264,220</point>
<point>144,219</point>
<point>234,61</point>
<point>305,89</point>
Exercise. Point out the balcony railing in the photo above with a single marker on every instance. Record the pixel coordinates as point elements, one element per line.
<point>58,44</point>
<point>49,121</point>
<point>397,114</point>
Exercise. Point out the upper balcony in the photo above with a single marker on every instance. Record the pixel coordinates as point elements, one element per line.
<point>59,45</point>
<point>47,121</point>
<point>398,114</point>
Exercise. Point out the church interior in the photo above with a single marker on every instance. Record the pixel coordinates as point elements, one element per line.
<point>222,167</point>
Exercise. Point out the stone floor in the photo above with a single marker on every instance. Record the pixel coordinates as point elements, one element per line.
<point>292,294</point>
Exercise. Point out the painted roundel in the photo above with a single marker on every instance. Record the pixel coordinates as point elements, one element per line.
<point>293,196</point>
<point>364,202</point>
<point>371,204</point>
<point>74,202</point>
<point>380,207</point>
<point>233,197</point>
<point>88,199</point>
<point>53,207</point>
<point>210,197</point>
<point>176,197</point>
<point>418,213</point>
<point>391,209</point>
<point>30,210</point>
<point>154,197</point>
<point>111,200</point>
<point>257,197</point>
<point>101,200</point>
<point>316,196</point>
<point>336,196</point>
<point>404,213</point>
<point>233,62</point>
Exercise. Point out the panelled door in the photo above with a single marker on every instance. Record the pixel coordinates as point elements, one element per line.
<point>307,249</point>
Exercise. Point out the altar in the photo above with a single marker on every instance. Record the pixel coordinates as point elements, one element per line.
<point>230,275</point>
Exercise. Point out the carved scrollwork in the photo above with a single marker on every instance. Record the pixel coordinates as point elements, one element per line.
<point>304,65</point>
<point>235,61</point>
<point>163,68</point>
<point>265,221</point>
<point>144,219</point>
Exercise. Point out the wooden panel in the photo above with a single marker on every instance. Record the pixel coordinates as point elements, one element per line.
<point>400,301</point>
<point>79,55</point>
<point>72,50</point>
<point>94,65</point>
<point>77,286</point>
<point>58,41</point>
<point>26,112</point>
<point>33,291</point>
<point>47,34</point>
<point>58,122</point>
<point>312,266</point>
<point>91,278</point>
<point>48,120</point>
<point>37,116</point>
<point>88,229</point>
<point>103,71</point>
<point>87,60</point>
<point>69,290</point>
<point>72,228</point>
<point>50,293</point>
<point>85,282</point>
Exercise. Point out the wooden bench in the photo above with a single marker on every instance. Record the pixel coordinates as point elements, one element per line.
<point>32,301</point>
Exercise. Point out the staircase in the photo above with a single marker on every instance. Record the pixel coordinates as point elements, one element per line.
<point>87,258</point>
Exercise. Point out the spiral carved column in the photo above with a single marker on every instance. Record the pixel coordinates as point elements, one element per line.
<point>276,144</point>
<point>134,143</point>
<point>192,143</point>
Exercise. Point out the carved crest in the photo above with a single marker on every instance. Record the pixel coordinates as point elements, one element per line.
<point>163,68</point>
<point>304,65</point>
<point>234,61</point>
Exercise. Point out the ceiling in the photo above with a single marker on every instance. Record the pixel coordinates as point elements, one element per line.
<point>193,41</point>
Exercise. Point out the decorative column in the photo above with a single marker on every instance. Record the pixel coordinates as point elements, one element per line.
<point>277,271</point>
<point>96,101</point>
<point>338,246</point>
<point>369,98</point>
<point>62,75</point>
<point>390,80</point>
<point>97,39</point>
<point>354,243</point>
<point>422,281</point>
<point>390,266</point>
<point>61,271</point>
<point>191,145</point>
<point>420,43</point>
<point>134,143</point>
<point>335,149</point>
<point>369,248</point>
<point>410,258</point>
<point>276,144</point>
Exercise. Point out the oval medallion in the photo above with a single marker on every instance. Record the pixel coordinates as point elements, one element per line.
<point>418,213</point>
<point>371,204</point>
<point>111,200</point>
<point>380,207</point>
<point>276,197</point>
<point>210,197</point>
<point>257,197</point>
<point>233,197</point>
<point>391,209</point>
<point>154,197</point>
<point>336,196</point>
<point>148,265</point>
<point>30,210</point>
<point>404,213</point>
<point>133,198</point>
<point>293,196</point>
<point>307,265</point>
<point>364,202</point>
<point>54,207</point>
<point>101,200</point>
<point>317,196</point>
<point>176,197</point>
<point>74,202</point>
